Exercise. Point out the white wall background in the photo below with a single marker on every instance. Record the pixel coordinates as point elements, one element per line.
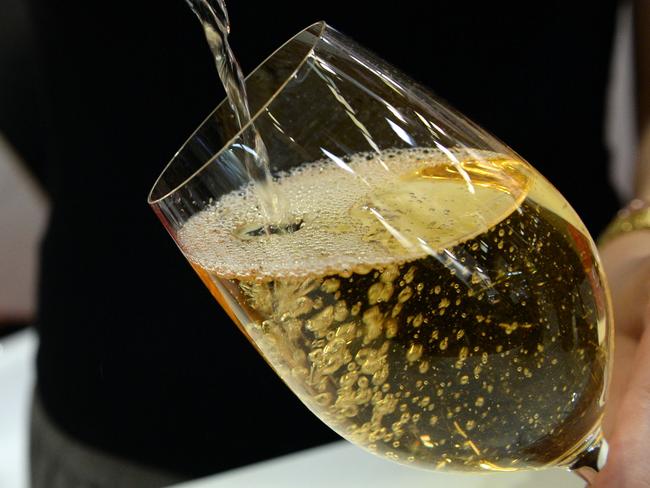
<point>23,211</point>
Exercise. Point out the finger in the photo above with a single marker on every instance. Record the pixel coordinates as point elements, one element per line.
<point>625,348</point>
<point>627,465</point>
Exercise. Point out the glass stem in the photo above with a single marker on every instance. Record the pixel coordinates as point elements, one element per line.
<point>591,461</point>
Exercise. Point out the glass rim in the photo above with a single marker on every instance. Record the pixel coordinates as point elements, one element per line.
<point>319,29</point>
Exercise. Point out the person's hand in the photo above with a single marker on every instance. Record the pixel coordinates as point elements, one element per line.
<point>626,260</point>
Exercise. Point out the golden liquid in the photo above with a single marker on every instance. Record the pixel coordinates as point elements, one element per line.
<point>469,334</point>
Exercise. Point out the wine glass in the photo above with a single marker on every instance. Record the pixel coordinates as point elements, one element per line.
<point>427,294</point>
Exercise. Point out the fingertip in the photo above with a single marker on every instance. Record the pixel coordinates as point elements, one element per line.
<point>587,474</point>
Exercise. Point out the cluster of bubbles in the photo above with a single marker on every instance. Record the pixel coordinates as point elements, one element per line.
<point>336,205</point>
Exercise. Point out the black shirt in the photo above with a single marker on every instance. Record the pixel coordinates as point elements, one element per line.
<point>135,357</point>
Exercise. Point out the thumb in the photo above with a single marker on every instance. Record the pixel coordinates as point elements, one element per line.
<point>627,465</point>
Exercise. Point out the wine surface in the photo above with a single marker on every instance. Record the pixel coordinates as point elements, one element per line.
<point>441,314</point>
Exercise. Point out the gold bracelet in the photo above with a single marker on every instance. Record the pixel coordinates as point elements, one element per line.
<point>634,216</point>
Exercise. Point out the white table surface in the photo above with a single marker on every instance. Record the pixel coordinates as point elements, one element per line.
<point>342,465</point>
<point>16,382</point>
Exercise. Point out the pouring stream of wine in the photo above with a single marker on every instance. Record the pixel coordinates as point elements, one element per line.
<point>213,16</point>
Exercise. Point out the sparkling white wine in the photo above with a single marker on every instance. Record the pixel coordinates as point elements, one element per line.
<point>441,313</point>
